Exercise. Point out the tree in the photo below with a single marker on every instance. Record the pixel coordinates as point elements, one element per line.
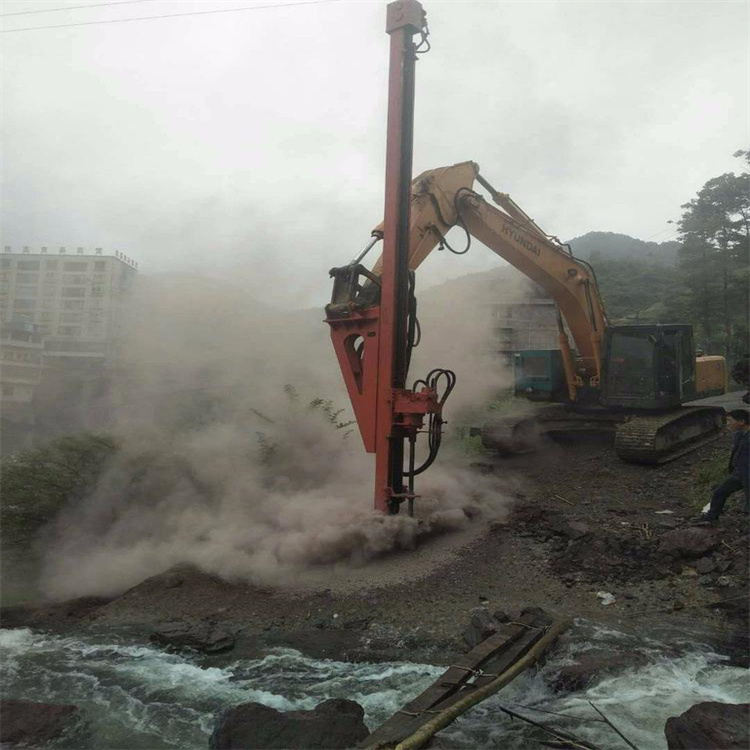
<point>713,260</point>
<point>38,483</point>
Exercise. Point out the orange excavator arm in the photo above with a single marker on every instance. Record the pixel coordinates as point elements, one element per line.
<point>443,198</point>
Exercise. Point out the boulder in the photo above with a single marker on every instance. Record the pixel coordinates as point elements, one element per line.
<point>335,723</point>
<point>590,665</point>
<point>710,726</point>
<point>29,724</point>
<point>481,626</point>
<point>705,565</point>
<point>694,541</point>
<point>560,525</point>
<point>206,637</point>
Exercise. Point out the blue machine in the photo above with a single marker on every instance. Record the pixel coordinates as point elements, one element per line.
<point>539,375</point>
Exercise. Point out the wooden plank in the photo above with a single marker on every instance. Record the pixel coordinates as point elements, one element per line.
<point>492,655</point>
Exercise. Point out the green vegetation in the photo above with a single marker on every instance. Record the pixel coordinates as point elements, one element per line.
<point>711,473</point>
<point>713,263</point>
<point>702,279</point>
<point>38,483</point>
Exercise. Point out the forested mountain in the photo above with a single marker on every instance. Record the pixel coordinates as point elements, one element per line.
<point>702,279</point>
<point>634,276</point>
<point>595,246</point>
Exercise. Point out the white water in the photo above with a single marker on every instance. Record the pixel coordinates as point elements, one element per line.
<point>140,697</point>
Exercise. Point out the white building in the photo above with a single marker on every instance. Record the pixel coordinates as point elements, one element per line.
<point>75,300</point>
<point>69,307</point>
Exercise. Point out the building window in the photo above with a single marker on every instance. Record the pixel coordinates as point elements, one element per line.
<point>26,291</point>
<point>48,303</point>
<point>75,266</point>
<point>24,304</point>
<point>99,278</point>
<point>70,278</point>
<point>69,330</point>
<point>72,304</point>
<point>50,263</point>
<point>7,389</point>
<point>68,317</point>
<point>28,265</point>
<point>96,316</point>
<point>72,291</point>
<point>97,291</point>
<point>50,277</point>
<point>45,330</point>
<point>3,286</point>
<point>4,262</point>
<point>100,265</point>
<point>27,278</point>
<point>49,291</point>
<point>47,316</point>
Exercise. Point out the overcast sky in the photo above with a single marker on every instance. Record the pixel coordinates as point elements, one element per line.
<point>256,140</point>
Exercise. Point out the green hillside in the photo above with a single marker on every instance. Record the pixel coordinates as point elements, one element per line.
<point>595,246</point>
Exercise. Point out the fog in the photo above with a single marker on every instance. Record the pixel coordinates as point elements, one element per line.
<point>255,139</point>
<point>236,449</point>
<point>239,156</point>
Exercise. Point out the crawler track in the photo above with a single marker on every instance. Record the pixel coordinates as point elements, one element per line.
<point>664,437</point>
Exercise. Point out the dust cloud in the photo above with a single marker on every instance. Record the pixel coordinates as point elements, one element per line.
<point>237,452</point>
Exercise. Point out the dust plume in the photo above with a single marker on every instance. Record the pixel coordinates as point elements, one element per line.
<point>237,452</point>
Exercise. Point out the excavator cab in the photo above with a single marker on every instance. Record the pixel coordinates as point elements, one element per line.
<point>648,367</point>
<point>539,375</point>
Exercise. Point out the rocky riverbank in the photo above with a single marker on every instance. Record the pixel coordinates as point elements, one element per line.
<point>587,536</point>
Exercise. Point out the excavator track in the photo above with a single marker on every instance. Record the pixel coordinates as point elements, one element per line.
<point>645,439</point>
<point>660,438</point>
<point>524,433</point>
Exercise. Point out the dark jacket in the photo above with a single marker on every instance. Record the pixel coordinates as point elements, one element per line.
<point>739,460</point>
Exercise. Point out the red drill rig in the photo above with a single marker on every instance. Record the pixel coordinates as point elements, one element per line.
<point>373,317</point>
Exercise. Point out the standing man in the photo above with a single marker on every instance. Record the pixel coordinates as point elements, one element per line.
<point>738,422</point>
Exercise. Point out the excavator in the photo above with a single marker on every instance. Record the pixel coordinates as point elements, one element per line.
<point>632,379</point>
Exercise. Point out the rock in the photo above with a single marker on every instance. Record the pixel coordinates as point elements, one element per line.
<point>705,580</point>
<point>173,580</point>
<point>577,530</point>
<point>480,627</point>
<point>570,529</point>
<point>728,582</point>
<point>667,523</point>
<point>357,623</point>
<point>589,666</point>
<point>206,637</point>
<point>705,565</point>
<point>710,726</point>
<point>28,724</point>
<point>694,541</point>
<point>500,616</point>
<point>336,723</point>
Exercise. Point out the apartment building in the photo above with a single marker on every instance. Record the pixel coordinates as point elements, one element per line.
<point>21,349</point>
<point>68,309</point>
<point>75,300</point>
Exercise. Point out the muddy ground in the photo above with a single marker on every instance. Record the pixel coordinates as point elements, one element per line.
<point>581,522</point>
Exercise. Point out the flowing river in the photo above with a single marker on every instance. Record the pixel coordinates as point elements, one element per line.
<point>138,696</point>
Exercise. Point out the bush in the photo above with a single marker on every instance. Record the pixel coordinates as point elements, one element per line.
<point>37,483</point>
<point>708,476</point>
